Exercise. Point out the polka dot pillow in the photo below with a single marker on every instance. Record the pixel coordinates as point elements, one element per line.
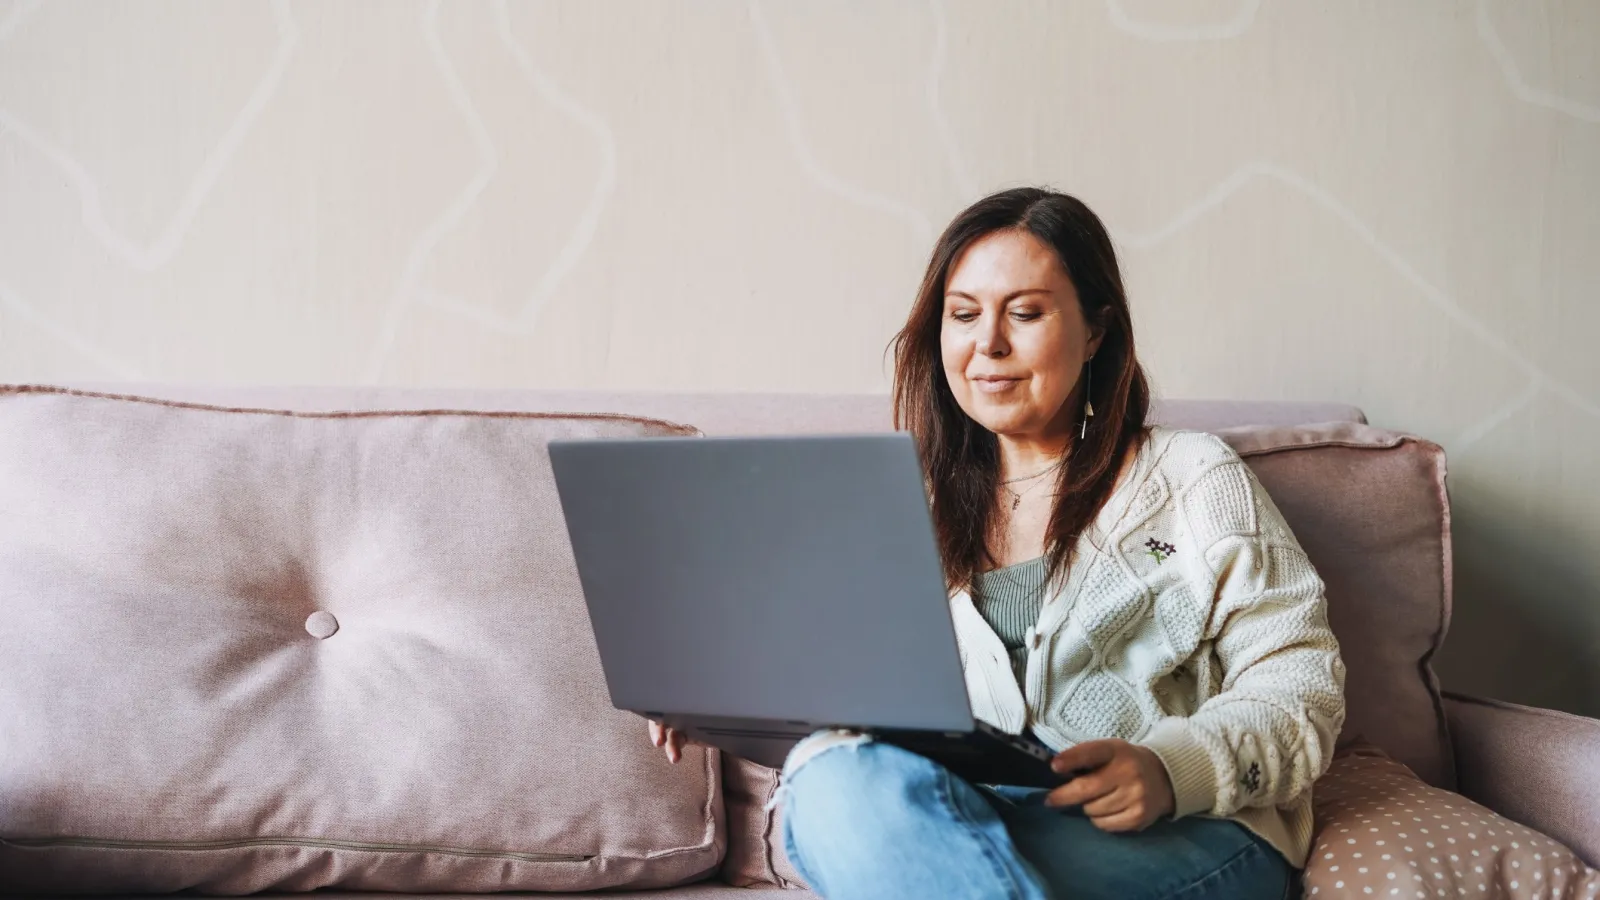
<point>1383,832</point>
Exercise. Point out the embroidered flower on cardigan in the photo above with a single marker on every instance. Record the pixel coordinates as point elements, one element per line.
<point>1251,779</point>
<point>1159,550</point>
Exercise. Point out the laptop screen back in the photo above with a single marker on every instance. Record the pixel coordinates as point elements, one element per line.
<point>792,579</point>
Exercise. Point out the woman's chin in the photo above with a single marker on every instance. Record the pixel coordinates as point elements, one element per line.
<point>1004,419</point>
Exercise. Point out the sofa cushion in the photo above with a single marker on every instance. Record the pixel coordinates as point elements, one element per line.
<point>1370,508</point>
<point>755,827</point>
<point>248,650</point>
<point>1382,832</point>
<point>1537,766</point>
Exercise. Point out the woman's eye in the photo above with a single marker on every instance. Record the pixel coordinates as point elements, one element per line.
<point>1025,316</point>
<point>963,316</point>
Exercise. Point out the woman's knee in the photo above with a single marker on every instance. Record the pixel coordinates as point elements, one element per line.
<point>852,808</point>
<point>870,820</point>
<point>863,786</point>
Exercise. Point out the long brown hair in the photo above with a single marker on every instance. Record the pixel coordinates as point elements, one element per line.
<point>960,457</point>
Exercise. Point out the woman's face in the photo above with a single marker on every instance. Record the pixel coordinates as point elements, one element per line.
<point>1013,336</point>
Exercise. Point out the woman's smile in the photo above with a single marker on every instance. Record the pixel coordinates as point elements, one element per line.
<point>995,384</point>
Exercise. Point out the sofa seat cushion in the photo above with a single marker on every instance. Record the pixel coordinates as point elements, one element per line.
<point>252,650</point>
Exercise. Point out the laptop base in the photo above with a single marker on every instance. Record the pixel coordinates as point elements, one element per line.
<point>985,755</point>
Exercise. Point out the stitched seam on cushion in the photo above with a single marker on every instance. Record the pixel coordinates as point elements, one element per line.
<point>710,838</point>
<point>341,846</point>
<point>769,821</point>
<point>68,842</point>
<point>1446,610</point>
<point>770,824</point>
<point>1446,604</point>
<point>21,389</point>
<point>1491,703</point>
<point>1395,440</point>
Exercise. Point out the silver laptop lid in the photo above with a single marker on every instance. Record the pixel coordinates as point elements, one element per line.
<point>790,578</point>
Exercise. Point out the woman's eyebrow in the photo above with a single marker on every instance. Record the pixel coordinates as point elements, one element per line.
<point>1006,299</point>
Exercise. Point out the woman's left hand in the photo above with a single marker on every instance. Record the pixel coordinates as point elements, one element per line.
<point>1121,786</point>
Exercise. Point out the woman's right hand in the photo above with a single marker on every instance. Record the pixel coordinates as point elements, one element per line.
<point>671,739</point>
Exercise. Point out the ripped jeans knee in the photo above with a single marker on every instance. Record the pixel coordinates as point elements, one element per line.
<point>865,819</point>
<point>810,748</point>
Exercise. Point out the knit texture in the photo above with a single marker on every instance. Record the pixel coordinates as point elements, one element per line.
<point>1009,599</point>
<point>1190,622</point>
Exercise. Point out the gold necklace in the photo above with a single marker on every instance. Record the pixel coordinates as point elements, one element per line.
<point>1016,496</point>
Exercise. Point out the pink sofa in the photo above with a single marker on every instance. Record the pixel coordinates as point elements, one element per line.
<point>97,813</point>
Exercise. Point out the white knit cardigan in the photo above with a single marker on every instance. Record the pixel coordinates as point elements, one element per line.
<point>1190,622</point>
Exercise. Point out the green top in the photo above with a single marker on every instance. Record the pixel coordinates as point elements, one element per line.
<point>1009,598</point>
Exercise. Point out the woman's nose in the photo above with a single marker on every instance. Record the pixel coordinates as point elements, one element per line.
<point>992,343</point>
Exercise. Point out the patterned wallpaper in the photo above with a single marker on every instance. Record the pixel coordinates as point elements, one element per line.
<point>1393,204</point>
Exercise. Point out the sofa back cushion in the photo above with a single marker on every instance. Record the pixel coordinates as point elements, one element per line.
<point>1370,508</point>
<point>245,651</point>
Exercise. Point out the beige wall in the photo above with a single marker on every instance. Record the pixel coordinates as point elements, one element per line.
<point>1388,203</point>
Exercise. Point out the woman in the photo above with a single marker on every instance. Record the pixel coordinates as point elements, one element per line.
<point>1127,594</point>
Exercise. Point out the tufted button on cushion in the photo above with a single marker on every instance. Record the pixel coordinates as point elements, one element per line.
<point>321,625</point>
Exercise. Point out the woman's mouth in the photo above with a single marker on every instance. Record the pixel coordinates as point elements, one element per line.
<point>994,384</point>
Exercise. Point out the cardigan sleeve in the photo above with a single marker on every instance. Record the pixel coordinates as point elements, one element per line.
<point>1269,731</point>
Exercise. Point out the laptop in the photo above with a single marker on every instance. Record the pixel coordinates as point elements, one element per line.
<point>749,591</point>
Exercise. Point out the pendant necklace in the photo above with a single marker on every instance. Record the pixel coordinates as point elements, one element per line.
<point>1016,496</point>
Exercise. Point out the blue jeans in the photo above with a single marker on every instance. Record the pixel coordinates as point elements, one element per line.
<point>877,822</point>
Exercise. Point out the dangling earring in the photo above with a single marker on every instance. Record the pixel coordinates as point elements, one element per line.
<point>1088,403</point>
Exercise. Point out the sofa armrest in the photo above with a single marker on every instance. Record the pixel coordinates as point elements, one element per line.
<point>1536,766</point>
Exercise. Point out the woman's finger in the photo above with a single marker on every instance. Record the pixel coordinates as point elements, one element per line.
<point>1110,804</point>
<point>1082,789</point>
<point>657,733</point>
<point>675,741</point>
<point>1085,757</point>
<point>1130,819</point>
